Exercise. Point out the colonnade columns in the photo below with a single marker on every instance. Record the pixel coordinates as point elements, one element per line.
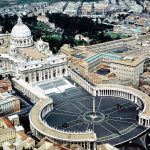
<point>88,146</point>
<point>66,71</point>
<point>56,72</point>
<point>135,100</point>
<point>132,98</point>
<point>51,73</point>
<point>94,145</point>
<point>84,145</point>
<point>147,122</point>
<point>43,74</point>
<point>48,74</point>
<point>94,92</point>
<point>141,121</point>
<point>34,76</point>
<point>40,76</point>
<point>61,71</point>
<point>30,77</point>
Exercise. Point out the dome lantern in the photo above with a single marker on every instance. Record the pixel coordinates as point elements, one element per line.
<point>19,22</point>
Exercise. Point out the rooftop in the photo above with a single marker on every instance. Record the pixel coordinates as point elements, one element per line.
<point>130,62</point>
<point>13,117</point>
<point>33,53</point>
<point>111,56</point>
<point>146,74</point>
<point>8,123</point>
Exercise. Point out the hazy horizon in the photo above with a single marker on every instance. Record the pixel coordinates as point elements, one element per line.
<point>13,2</point>
<point>10,2</point>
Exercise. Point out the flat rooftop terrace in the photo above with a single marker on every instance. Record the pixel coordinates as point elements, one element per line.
<point>53,86</point>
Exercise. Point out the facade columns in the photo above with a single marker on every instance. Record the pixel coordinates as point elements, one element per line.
<point>88,146</point>
<point>141,121</point>
<point>52,73</point>
<point>148,122</point>
<point>47,73</point>
<point>94,145</point>
<point>40,75</point>
<point>66,71</point>
<point>34,76</point>
<point>94,92</point>
<point>135,99</point>
<point>56,72</point>
<point>43,74</point>
<point>30,77</point>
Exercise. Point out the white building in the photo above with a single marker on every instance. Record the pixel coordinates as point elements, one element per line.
<point>14,119</point>
<point>29,60</point>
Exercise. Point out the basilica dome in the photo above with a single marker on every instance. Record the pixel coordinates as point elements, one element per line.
<point>20,31</point>
<point>21,35</point>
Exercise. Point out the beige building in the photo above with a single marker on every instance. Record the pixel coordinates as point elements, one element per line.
<point>7,131</point>
<point>9,103</point>
<point>12,136</point>
<point>47,145</point>
<point>145,78</point>
<point>131,30</point>
<point>15,120</point>
<point>43,18</point>
<point>126,55</point>
<point>122,67</point>
<point>145,89</point>
<point>129,67</point>
<point>22,141</point>
<point>5,86</point>
<point>86,8</point>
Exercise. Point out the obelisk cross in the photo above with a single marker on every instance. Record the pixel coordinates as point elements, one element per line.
<point>94,105</point>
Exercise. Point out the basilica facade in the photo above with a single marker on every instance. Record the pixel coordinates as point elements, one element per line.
<point>31,61</point>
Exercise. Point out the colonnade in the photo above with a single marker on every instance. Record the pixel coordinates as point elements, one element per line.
<point>46,109</point>
<point>85,145</point>
<point>6,64</point>
<point>134,95</point>
<point>28,90</point>
<point>144,121</point>
<point>40,129</point>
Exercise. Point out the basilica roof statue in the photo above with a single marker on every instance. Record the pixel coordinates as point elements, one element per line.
<point>21,35</point>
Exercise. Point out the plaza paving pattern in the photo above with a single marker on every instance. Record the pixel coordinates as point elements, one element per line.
<point>72,112</point>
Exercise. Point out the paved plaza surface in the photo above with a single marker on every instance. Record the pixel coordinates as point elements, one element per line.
<point>53,86</point>
<point>114,122</point>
